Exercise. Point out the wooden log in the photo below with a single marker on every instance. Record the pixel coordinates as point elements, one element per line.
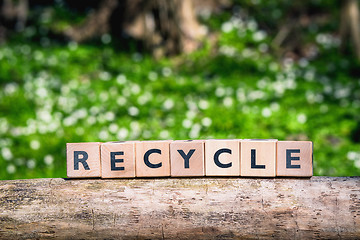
<point>181,208</point>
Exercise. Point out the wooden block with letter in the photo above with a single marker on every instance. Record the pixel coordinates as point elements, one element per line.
<point>294,158</point>
<point>222,157</point>
<point>118,160</point>
<point>187,158</point>
<point>258,158</point>
<point>152,158</point>
<point>83,160</point>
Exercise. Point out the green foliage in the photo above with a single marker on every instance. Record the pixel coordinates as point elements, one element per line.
<point>57,94</point>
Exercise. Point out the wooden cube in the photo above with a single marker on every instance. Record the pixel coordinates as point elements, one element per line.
<point>294,158</point>
<point>258,158</point>
<point>222,157</point>
<point>83,160</point>
<point>152,158</point>
<point>187,158</point>
<point>118,160</point>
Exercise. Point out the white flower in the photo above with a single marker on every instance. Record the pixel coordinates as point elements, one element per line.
<point>126,92</point>
<point>143,99</point>
<point>81,113</point>
<point>227,51</point>
<point>190,114</point>
<point>104,96</point>
<point>152,76</point>
<point>309,75</point>
<point>220,91</point>
<point>240,95</point>
<point>274,67</point>
<point>327,89</point>
<point>266,112</point>
<point>69,121</point>
<point>166,72</point>
<point>121,101</point>
<point>44,115</point>
<point>303,62</point>
<point>353,156</point>
<point>168,104</point>
<point>80,131</point>
<point>121,79</point>
<point>274,106</point>
<point>41,92</point>
<point>109,116</point>
<point>357,163</point>
<point>6,153</point>
<point>133,111</point>
<point>91,120</point>
<point>52,61</point>
<point>203,104</point>
<point>135,89</point>
<point>195,131</point>
<point>31,163</point>
<point>342,92</point>
<point>263,47</point>
<point>72,45</point>
<point>35,144</point>
<point>301,118</point>
<point>228,102</point>
<point>246,53</point>
<point>105,76</point>
<point>261,83</point>
<point>191,105</point>
<point>10,88</point>
<point>106,38</point>
<point>227,27</point>
<point>245,109</point>
<point>324,108</point>
<point>187,123</point>
<point>252,25</point>
<point>147,134</point>
<point>254,95</point>
<point>259,36</point>
<point>164,134</point>
<point>104,135</point>
<point>11,169</point>
<point>122,134</point>
<point>206,122</point>
<point>113,128</point>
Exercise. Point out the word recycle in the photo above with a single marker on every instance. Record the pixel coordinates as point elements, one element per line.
<point>186,158</point>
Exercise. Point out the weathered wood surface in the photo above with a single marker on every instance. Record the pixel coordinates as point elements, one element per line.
<point>181,208</point>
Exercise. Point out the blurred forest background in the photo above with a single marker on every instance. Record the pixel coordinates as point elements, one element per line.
<point>73,71</point>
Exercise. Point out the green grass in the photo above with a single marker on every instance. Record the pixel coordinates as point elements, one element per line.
<point>72,93</point>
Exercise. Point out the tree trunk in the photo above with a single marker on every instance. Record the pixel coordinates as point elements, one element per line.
<point>13,16</point>
<point>350,25</point>
<point>181,208</point>
<point>167,27</point>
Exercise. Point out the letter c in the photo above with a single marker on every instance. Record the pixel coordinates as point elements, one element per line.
<point>217,161</point>
<point>146,158</point>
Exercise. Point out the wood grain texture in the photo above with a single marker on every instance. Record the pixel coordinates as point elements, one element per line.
<point>301,155</point>
<point>92,162</point>
<point>215,146</point>
<point>159,159</point>
<point>264,154</point>
<point>181,208</point>
<point>193,151</point>
<point>124,163</point>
